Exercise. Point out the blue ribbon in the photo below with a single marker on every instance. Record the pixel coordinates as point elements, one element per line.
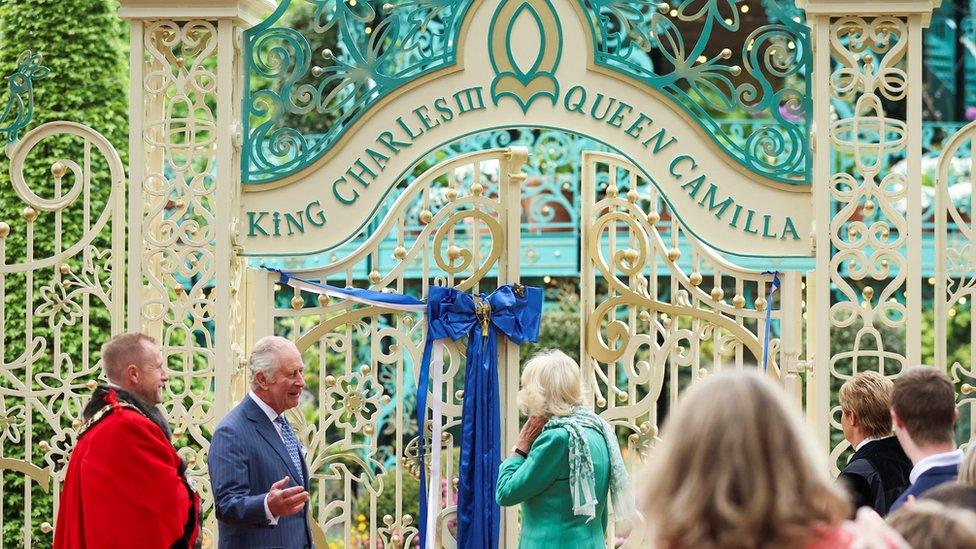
<point>367,297</point>
<point>769,316</point>
<point>515,311</point>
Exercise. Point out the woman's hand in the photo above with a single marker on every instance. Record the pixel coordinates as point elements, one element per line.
<point>530,431</point>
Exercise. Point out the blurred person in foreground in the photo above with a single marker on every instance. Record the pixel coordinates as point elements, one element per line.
<point>923,411</point>
<point>126,485</point>
<point>877,472</point>
<point>928,524</point>
<point>967,469</point>
<point>735,469</point>
<point>565,463</point>
<point>953,494</point>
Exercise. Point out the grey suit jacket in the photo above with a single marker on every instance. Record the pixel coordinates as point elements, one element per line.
<point>246,457</point>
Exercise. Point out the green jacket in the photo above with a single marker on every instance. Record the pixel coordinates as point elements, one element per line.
<point>541,484</point>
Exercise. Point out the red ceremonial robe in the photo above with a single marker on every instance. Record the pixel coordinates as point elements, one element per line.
<point>124,486</point>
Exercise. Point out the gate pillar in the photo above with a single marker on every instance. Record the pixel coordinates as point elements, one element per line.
<point>867,110</point>
<point>185,280</point>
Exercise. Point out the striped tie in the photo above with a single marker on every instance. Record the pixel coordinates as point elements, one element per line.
<point>291,444</point>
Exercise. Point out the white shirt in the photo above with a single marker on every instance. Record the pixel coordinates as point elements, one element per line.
<point>936,460</point>
<point>272,415</point>
<point>863,442</point>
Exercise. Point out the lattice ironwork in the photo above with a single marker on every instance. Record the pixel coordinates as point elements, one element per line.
<point>955,278</point>
<point>61,297</point>
<point>19,108</point>
<point>377,51</point>
<point>454,223</point>
<point>653,324</point>
<point>869,251</point>
<point>186,284</point>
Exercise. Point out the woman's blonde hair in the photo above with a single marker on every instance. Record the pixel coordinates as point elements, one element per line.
<point>735,468</point>
<point>928,523</point>
<point>967,469</point>
<point>551,385</point>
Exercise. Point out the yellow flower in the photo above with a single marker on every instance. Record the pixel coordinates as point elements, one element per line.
<point>361,527</point>
<point>361,517</point>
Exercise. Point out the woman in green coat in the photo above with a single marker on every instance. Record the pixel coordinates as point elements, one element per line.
<point>565,463</point>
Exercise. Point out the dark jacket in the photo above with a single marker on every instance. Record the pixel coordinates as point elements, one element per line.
<point>246,457</point>
<point>927,480</point>
<point>877,474</point>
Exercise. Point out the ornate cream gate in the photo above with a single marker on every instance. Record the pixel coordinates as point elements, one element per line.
<point>653,322</point>
<point>868,228</point>
<point>955,280</point>
<point>66,254</point>
<point>457,225</point>
<point>682,330</point>
<point>190,227</point>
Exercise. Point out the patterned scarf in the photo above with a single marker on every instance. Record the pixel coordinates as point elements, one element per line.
<point>582,480</point>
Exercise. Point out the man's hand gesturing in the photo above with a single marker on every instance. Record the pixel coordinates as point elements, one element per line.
<point>286,501</point>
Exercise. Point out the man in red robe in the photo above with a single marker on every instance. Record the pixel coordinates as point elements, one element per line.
<point>126,485</point>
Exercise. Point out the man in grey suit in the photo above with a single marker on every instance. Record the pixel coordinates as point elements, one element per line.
<point>257,468</point>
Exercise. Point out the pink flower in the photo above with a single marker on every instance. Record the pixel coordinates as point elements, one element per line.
<point>790,115</point>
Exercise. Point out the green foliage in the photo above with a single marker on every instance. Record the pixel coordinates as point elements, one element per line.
<point>958,327</point>
<point>82,42</point>
<point>560,326</point>
<point>386,501</point>
<point>301,17</point>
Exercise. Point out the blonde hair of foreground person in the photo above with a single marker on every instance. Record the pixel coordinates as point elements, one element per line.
<point>551,385</point>
<point>735,468</point>
<point>929,524</point>
<point>967,469</point>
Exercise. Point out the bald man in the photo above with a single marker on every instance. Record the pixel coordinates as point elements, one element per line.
<point>126,485</point>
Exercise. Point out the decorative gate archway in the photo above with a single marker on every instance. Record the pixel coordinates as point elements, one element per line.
<point>362,440</point>
<point>250,142</point>
<point>408,81</point>
<point>459,224</point>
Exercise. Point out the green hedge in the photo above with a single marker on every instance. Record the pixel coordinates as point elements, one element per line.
<point>84,45</point>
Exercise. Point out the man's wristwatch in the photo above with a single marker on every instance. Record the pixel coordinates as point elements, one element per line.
<point>517,450</point>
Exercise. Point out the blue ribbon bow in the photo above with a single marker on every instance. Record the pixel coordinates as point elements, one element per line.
<point>515,311</point>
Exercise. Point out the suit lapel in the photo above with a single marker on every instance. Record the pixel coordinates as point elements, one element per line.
<point>268,432</point>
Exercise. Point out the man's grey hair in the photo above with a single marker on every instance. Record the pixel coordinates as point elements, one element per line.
<point>264,357</point>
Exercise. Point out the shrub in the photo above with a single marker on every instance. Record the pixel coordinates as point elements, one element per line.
<point>82,43</point>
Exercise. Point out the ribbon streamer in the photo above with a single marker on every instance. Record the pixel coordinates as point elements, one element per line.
<point>389,300</point>
<point>769,317</point>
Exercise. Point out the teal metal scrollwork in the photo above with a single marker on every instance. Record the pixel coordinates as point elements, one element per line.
<point>301,99</point>
<point>770,81</point>
<point>19,110</point>
<point>376,51</point>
